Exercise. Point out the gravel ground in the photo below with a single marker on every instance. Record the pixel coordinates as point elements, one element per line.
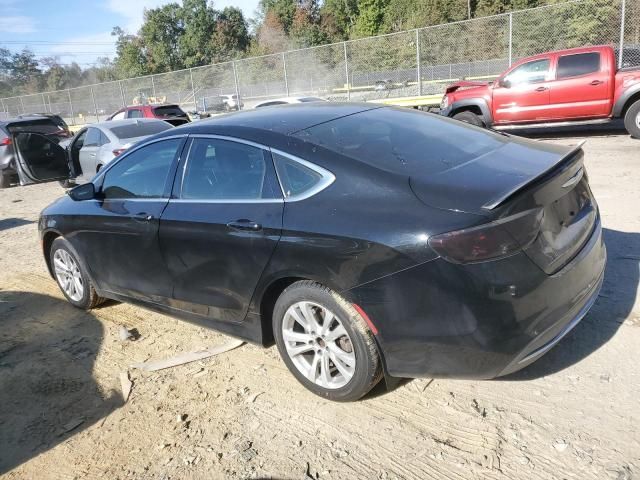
<point>573,414</point>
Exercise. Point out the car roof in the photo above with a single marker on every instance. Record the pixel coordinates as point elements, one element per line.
<point>150,105</point>
<point>284,119</point>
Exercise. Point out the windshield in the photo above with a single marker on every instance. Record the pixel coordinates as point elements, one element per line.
<point>140,129</point>
<point>403,141</point>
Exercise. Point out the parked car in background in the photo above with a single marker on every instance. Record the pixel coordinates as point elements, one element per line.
<point>96,145</point>
<point>288,100</point>
<point>50,126</point>
<point>568,87</point>
<point>365,240</point>
<point>170,113</point>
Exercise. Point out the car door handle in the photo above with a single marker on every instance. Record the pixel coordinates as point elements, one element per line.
<point>92,154</point>
<point>142,217</point>
<point>245,225</point>
<point>541,89</point>
<point>596,82</point>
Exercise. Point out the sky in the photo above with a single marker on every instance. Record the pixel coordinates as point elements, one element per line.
<point>78,30</point>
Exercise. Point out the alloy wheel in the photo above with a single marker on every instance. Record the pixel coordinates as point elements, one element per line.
<point>318,345</point>
<point>68,274</point>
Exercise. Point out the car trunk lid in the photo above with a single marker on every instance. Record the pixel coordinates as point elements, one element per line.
<point>517,178</point>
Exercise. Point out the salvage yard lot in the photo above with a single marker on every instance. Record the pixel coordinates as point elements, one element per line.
<point>573,414</point>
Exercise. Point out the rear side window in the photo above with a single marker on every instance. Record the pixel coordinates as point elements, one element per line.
<point>295,178</point>
<point>579,64</point>
<point>404,141</point>
<point>143,173</point>
<point>224,170</point>
<point>169,111</point>
<point>140,129</point>
<point>135,113</point>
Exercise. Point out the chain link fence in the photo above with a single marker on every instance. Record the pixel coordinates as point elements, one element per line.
<point>412,63</point>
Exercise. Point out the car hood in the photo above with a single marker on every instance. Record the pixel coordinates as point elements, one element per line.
<point>467,85</point>
<point>482,183</point>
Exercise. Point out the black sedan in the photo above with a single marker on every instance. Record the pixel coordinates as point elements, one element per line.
<point>365,240</point>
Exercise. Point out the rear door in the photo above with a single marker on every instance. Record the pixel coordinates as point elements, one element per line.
<point>39,159</point>
<point>522,95</point>
<point>88,155</point>
<point>218,233</point>
<point>582,87</point>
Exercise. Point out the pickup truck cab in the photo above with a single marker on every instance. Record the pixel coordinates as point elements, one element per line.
<point>566,87</point>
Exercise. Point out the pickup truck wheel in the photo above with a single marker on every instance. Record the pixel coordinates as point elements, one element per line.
<point>632,120</point>
<point>469,117</point>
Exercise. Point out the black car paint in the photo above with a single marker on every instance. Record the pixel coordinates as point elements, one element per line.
<point>433,317</point>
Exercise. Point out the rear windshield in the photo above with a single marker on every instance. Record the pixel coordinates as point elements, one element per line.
<point>139,129</point>
<point>404,141</point>
<point>44,126</point>
<point>169,111</point>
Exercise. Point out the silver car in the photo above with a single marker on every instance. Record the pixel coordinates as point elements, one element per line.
<point>96,145</point>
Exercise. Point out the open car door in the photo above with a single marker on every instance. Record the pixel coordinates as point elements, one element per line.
<point>40,159</point>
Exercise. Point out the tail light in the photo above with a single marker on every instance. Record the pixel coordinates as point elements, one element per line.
<point>118,151</point>
<point>6,141</point>
<point>490,241</point>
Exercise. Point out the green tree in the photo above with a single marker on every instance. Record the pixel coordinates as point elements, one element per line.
<point>160,34</point>
<point>283,10</point>
<point>338,17</point>
<point>231,35</point>
<point>131,60</point>
<point>370,18</point>
<point>199,26</point>
<point>25,72</point>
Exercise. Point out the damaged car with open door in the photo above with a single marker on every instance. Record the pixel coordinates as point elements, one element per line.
<point>40,158</point>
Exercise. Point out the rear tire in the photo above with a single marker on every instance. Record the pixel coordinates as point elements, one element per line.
<point>632,120</point>
<point>469,117</point>
<point>5,181</point>
<point>71,276</point>
<point>325,343</point>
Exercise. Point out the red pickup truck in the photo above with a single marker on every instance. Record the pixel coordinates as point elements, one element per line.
<point>566,87</point>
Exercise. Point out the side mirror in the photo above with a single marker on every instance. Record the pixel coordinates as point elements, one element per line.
<point>504,83</point>
<point>86,191</point>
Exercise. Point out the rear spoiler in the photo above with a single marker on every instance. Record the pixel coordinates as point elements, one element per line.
<point>494,203</point>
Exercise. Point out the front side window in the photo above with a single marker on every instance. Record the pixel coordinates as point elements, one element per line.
<point>119,116</point>
<point>530,72</point>
<point>224,170</point>
<point>142,174</point>
<point>93,138</point>
<point>136,113</point>
<point>577,65</point>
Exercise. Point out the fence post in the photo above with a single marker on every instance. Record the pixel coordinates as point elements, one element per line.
<point>44,102</point>
<point>418,69</point>
<point>193,90</point>
<point>153,87</point>
<point>95,106</point>
<point>622,19</point>
<point>73,116</point>
<point>346,70</point>
<point>235,81</point>
<point>284,67</point>
<point>4,107</point>
<point>124,104</point>
<point>22,104</point>
<point>510,38</point>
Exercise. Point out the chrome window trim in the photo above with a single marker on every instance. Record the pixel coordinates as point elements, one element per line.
<point>326,177</point>
<point>238,200</point>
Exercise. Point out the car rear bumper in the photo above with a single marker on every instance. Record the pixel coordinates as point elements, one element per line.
<point>479,321</point>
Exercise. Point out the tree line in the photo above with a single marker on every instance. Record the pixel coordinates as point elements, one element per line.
<point>194,33</point>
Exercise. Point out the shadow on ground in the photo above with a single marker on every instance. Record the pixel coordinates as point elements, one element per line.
<point>615,303</point>
<point>47,389</point>
<point>613,128</point>
<point>8,223</point>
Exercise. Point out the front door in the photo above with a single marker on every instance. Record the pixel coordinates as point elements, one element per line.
<point>39,159</point>
<point>522,95</point>
<point>120,242</point>
<point>220,230</point>
<point>89,151</point>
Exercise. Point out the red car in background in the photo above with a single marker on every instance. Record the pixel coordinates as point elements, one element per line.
<point>170,113</point>
<point>566,87</point>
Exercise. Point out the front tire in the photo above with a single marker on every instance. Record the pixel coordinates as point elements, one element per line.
<point>71,276</point>
<point>325,343</point>
<point>469,117</point>
<point>632,120</point>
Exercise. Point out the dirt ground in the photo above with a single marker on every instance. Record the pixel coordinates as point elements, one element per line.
<point>574,414</point>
